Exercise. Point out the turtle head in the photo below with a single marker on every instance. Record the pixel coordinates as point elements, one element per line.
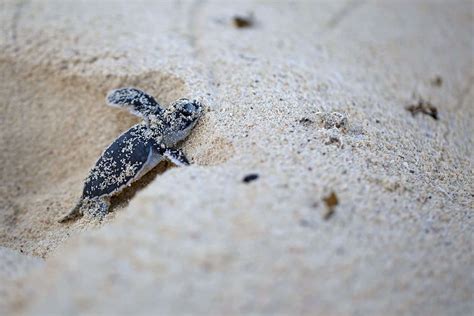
<point>180,118</point>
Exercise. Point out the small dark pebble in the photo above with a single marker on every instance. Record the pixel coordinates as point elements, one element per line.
<point>331,202</point>
<point>437,81</point>
<point>250,177</point>
<point>305,121</point>
<point>243,21</point>
<point>333,140</point>
<point>412,171</point>
<point>423,107</point>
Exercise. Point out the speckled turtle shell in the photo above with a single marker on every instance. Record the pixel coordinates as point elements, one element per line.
<point>131,154</point>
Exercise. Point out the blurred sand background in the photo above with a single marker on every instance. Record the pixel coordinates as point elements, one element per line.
<point>312,96</point>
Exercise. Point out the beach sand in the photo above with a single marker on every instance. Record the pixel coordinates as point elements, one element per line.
<point>355,115</point>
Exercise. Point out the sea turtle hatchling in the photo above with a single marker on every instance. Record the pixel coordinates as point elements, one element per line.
<point>137,150</point>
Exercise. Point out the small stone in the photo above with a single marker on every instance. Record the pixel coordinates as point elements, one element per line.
<point>437,81</point>
<point>334,119</point>
<point>331,201</point>
<point>243,21</point>
<point>250,177</point>
<point>423,107</point>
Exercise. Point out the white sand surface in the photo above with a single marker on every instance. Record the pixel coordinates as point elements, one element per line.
<point>311,96</point>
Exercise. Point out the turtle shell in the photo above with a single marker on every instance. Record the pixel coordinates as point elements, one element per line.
<point>122,162</point>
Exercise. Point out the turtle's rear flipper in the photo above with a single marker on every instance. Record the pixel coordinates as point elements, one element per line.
<point>96,207</point>
<point>73,214</point>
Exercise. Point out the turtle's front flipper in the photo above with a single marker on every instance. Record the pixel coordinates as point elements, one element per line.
<point>176,156</point>
<point>96,207</point>
<point>136,101</point>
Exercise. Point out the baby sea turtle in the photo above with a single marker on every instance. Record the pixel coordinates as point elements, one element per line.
<point>137,150</point>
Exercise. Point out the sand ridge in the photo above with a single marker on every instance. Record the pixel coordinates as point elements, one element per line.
<point>57,127</point>
<point>359,206</point>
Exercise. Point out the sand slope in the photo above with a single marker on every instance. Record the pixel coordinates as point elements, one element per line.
<point>312,98</point>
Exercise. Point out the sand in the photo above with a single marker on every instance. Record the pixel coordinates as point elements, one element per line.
<point>360,206</point>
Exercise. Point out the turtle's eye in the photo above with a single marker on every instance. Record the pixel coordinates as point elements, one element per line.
<point>186,113</point>
<point>188,109</point>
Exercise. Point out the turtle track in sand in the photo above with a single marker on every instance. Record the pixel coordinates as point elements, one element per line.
<point>54,125</point>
